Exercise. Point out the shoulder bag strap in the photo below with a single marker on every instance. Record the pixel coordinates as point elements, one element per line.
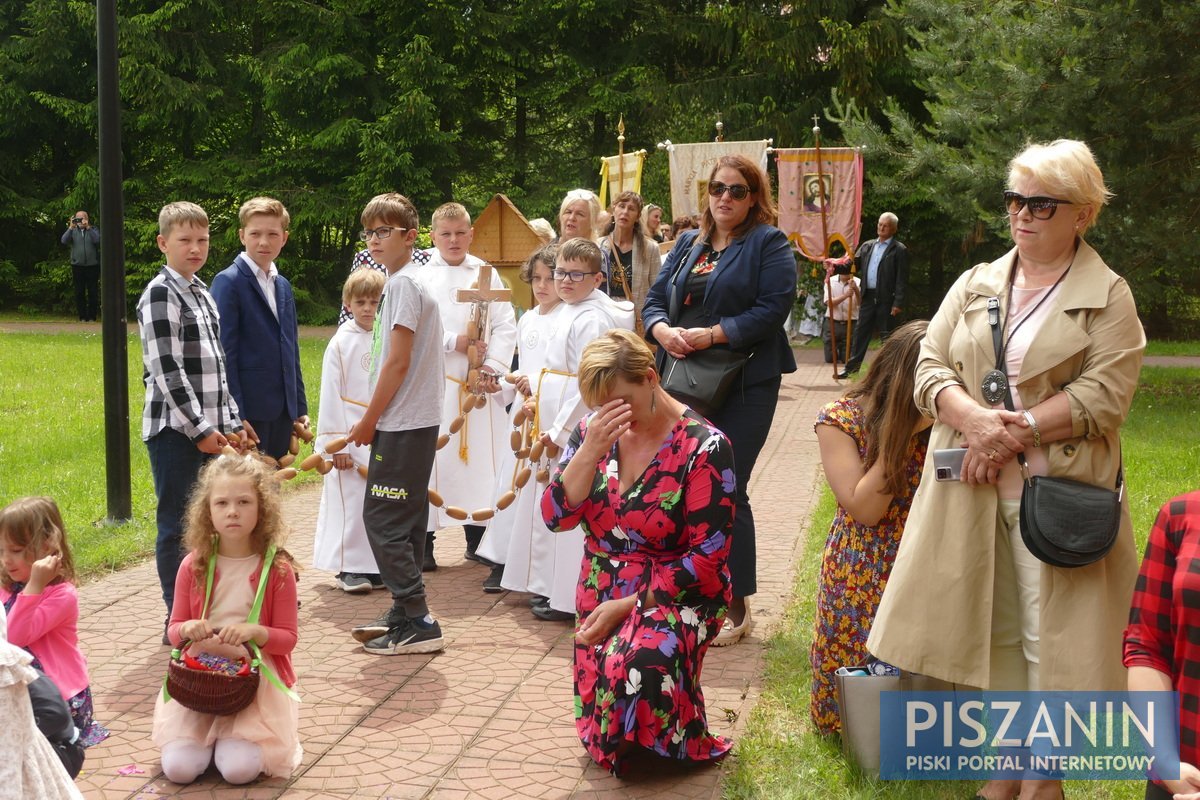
<point>255,612</point>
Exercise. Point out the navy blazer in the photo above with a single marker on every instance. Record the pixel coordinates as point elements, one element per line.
<point>262,354</point>
<point>750,294</point>
<point>892,279</point>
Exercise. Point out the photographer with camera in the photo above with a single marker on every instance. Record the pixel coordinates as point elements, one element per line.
<point>85,265</point>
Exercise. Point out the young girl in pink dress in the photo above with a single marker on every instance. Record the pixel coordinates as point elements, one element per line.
<point>42,604</point>
<point>234,518</point>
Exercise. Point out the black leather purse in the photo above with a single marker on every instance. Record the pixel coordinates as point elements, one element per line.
<point>1064,522</point>
<point>704,379</point>
<point>1068,523</point>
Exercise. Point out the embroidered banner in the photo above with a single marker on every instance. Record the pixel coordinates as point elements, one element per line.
<point>806,187</point>
<point>625,178</point>
<point>691,165</point>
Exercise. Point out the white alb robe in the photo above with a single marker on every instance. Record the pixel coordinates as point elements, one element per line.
<point>468,483</point>
<point>341,543</point>
<point>549,563</point>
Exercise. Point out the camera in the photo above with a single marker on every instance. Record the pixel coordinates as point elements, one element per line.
<point>77,220</point>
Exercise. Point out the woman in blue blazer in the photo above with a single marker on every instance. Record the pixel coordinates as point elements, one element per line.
<point>732,283</point>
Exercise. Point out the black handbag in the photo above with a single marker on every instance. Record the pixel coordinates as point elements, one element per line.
<point>1064,522</point>
<point>1068,523</point>
<point>703,379</point>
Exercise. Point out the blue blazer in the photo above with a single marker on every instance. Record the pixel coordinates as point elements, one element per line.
<point>750,293</point>
<point>262,354</point>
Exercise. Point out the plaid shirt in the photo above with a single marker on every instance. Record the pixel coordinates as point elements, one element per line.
<point>183,363</point>
<point>363,259</point>
<point>1165,614</point>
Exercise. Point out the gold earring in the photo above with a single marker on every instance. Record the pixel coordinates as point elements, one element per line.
<point>653,401</point>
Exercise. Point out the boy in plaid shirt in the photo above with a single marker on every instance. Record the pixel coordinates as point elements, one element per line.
<point>189,411</point>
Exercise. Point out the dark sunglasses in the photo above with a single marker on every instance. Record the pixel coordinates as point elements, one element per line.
<point>737,191</point>
<point>1039,207</point>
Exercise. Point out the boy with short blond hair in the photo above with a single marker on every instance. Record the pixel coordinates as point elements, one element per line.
<point>259,330</point>
<point>188,410</point>
<point>341,544</point>
<point>465,468</point>
<point>400,424</point>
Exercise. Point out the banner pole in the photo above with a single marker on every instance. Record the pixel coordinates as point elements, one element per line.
<point>621,154</point>
<point>825,243</point>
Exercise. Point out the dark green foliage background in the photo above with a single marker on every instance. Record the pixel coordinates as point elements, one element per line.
<point>326,103</point>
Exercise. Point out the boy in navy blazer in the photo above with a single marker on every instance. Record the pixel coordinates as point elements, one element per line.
<point>259,331</point>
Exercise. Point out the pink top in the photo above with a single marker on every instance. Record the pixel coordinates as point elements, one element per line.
<point>46,625</point>
<point>1011,481</point>
<point>279,610</point>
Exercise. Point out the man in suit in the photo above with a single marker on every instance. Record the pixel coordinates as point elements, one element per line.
<point>259,331</point>
<point>883,269</point>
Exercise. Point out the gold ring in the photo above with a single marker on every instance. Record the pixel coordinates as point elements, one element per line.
<point>992,456</point>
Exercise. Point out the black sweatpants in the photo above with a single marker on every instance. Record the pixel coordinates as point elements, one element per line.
<point>396,509</point>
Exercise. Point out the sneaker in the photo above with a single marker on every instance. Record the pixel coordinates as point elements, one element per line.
<point>539,600</point>
<point>552,614</point>
<point>375,579</point>
<point>371,630</point>
<point>491,584</point>
<point>353,583</point>
<point>407,637</point>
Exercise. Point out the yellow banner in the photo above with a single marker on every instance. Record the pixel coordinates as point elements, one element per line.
<point>622,174</point>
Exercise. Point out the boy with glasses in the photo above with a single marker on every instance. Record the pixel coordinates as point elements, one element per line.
<point>401,426</point>
<point>585,315</point>
<point>465,468</point>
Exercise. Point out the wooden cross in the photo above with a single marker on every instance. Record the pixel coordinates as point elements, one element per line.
<point>479,296</point>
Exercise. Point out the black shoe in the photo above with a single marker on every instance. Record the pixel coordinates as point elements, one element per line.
<point>353,583</point>
<point>406,638</point>
<point>551,614</point>
<point>539,600</point>
<point>371,630</point>
<point>375,579</point>
<point>845,376</point>
<point>491,584</point>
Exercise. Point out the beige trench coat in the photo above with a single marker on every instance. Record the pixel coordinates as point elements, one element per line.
<point>935,617</point>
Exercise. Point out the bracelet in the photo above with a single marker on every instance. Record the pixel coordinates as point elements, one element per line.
<point>710,336</point>
<point>1037,433</point>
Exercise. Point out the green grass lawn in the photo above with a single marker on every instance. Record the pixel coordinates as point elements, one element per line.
<point>52,438</point>
<point>780,756</point>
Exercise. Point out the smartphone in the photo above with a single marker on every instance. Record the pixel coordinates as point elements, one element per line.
<point>947,464</point>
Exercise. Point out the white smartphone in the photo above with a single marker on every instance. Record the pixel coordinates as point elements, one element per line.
<point>947,464</point>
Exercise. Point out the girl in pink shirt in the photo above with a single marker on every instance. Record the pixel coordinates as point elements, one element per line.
<point>36,571</point>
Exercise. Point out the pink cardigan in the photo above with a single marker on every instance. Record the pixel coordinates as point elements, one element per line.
<point>46,625</point>
<point>279,610</point>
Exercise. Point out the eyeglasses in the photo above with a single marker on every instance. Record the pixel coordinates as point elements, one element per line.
<point>1039,207</point>
<point>379,233</point>
<point>737,191</point>
<point>572,276</point>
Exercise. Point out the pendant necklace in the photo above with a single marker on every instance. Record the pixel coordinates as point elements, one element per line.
<point>995,382</point>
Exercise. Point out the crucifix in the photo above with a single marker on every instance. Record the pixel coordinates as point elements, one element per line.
<point>480,295</point>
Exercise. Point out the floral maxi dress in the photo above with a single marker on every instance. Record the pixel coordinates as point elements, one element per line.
<point>854,570</point>
<point>666,540</point>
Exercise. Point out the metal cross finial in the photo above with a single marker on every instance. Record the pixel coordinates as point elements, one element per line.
<point>816,126</point>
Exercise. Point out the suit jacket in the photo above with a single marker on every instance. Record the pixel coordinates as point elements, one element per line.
<point>893,271</point>
<point>750,294</point>
<point>262,355</point>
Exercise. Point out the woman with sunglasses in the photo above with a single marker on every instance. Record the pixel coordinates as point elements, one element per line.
<point>731,284</point>
<point>1049,331</point>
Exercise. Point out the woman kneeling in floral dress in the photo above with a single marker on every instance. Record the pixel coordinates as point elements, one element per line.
<point>652,484</point>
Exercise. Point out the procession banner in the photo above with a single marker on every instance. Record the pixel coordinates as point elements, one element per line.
<point>622,173</point>
<point>801,179</point>
<point>691,165</point>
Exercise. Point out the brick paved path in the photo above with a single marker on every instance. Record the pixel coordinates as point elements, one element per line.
<point>489,717</point>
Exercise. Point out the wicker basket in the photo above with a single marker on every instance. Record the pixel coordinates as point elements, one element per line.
<point>211,692</point>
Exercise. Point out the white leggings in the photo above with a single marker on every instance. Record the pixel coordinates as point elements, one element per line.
<point>238,761</point>
<point>1016,603</point>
